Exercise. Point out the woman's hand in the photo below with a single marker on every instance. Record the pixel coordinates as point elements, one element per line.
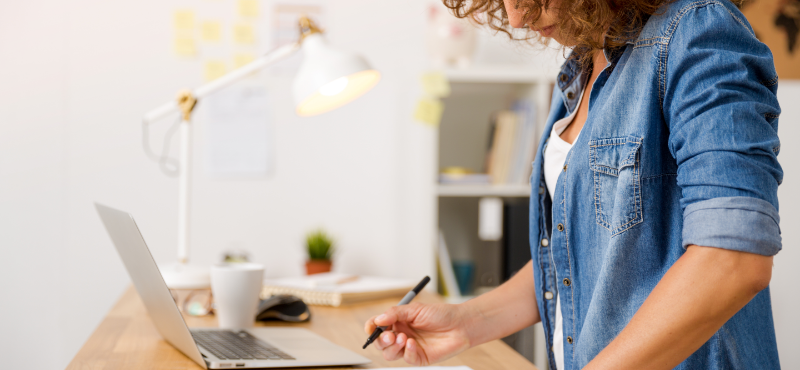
<point>422,334</point>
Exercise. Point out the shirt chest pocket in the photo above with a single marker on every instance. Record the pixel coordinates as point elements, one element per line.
<point>617,182</point>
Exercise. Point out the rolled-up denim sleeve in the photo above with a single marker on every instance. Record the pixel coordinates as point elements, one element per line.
<point>720,104</point>
<point>738,223</point>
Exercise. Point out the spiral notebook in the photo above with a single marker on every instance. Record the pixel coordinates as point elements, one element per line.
<point>337,289</point>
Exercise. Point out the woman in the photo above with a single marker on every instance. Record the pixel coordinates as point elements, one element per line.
<point>654,196</point>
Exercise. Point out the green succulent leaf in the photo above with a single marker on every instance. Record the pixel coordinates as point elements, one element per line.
<point>319,245</point>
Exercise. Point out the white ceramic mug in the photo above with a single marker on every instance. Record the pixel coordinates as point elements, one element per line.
<point>236,287</point>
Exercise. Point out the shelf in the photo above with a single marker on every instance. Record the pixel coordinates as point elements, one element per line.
<point>512,73</point>
<point>516,190</point>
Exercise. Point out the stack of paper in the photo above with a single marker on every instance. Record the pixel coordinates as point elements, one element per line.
<point>331,291</point>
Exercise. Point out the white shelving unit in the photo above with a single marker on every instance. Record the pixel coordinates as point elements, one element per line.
<point>502,74</point>
<point>510,191</point>
<point>462,141</point>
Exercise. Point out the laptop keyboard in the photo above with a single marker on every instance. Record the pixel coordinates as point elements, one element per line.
<point>237,345</point>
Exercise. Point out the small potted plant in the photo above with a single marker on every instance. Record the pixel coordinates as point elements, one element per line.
<point>320,250</point>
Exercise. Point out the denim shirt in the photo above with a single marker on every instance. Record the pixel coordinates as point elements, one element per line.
<point>680,148</point>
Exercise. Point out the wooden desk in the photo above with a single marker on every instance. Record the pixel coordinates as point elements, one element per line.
<point>127,339</point>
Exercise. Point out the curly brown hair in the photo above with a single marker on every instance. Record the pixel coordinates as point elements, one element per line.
<point>587,24</point>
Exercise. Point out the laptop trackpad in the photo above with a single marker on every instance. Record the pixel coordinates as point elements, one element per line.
<point>302,344</point>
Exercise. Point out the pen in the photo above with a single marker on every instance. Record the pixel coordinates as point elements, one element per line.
<point>409,296</point>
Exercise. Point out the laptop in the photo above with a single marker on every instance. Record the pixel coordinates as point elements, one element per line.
<point>212,348</point>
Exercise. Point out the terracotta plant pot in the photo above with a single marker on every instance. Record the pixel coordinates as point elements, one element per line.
<point>317,266</point>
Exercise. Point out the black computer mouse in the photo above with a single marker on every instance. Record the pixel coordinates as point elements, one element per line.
<point>283,307</point>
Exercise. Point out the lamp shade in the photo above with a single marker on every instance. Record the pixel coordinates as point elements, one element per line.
<point>329,78</point>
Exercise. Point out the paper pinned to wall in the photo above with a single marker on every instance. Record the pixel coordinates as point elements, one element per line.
<point>211,31</point>
<point>183,20</point>
<point>241,59</point>
<point>184,47</point>
<point>214,69</point>
<point>243,34</point>
<point>435,84</point>
<point>238,132</point>
<point>248,8</point>
<point>429,111</point>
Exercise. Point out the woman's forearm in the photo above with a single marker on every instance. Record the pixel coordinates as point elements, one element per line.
<point>505,310</point>
<point>698,294</point>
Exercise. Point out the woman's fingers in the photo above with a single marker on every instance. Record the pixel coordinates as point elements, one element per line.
<point>411,354</point>
<point>385,319</point>
<point>385,340</point>
<point>397,345</point>
<point>395,351</point>
<point>380,320</point>
<point>404,313</point>
<point>370,326</point>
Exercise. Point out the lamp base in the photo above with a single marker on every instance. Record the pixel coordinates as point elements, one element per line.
<point>186,276</point>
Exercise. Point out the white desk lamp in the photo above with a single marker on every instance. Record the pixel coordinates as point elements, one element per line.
<point>327,79</point>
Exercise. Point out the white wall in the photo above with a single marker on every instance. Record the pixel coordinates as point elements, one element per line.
<point>75,79</point>
<point>785,283</point>
<point>32,193</point>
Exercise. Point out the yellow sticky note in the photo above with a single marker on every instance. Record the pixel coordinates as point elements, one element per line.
<point>435,84</point>
<point>248,8</point>
<point>429,111</point>
<point>242,59</point>
<point>243,34</point>
<point>210,31</point>
<point>184,46</point>
<point>214,69</point>
<point>184,20</point>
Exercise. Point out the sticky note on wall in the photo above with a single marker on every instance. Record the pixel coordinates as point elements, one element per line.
<point>242,59</point>
<point>210,31</point>
<point>435,84</point>
<point>429,111</point>
<point>184,46</point>
<point>248,8</point>
<point>243,34</point>
<point>183,20</point>
<point>214,69</point>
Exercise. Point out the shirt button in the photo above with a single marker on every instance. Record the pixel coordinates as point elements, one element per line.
<point>569,340</point>
<point>548,295</point>
<point>565,168</point>
<point>563,77</point>
<point>567,282</point>
<point>570,95</point>
<point>541,190</point>
<point>545,242</point>
<point>560,227</point>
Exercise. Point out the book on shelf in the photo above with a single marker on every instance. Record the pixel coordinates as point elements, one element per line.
<point>511,148</point>
<point>502,146</point>
<point>465,179</point>
<point>447,276</point>
<point>526,142</point>
<point>332,289</point>
<point>512,144</point>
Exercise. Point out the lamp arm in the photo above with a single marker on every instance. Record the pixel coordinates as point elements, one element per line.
<point>225,81</point>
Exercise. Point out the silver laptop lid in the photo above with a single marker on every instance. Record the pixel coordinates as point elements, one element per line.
<point>148,281</point>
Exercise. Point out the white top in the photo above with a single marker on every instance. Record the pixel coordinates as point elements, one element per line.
<point>555,154</point>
